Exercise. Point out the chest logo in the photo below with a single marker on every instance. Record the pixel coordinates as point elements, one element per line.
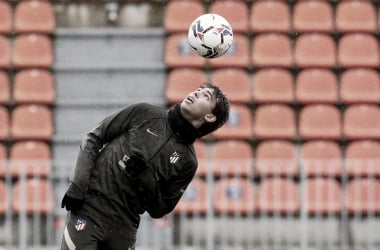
<point>151,132</point>
<point>80,225</point>
<point>175,157</point>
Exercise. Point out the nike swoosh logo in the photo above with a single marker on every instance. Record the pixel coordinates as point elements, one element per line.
<point>150,132</point>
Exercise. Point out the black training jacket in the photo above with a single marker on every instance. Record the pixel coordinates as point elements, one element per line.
<point>110,193</point>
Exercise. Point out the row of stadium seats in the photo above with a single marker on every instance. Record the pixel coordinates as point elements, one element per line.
<point>278,16</point>
<point>280,50</point>
<point>275,85</point>
<point>284,158</point>
<point>232,196</point>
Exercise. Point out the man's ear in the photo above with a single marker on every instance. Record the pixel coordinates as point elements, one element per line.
<point>210,118</point>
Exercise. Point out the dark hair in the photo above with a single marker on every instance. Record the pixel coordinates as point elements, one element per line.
<point>221,110</point>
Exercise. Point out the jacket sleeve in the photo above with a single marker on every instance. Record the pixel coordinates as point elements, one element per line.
<point>109,128</point>
<point>163,196</point>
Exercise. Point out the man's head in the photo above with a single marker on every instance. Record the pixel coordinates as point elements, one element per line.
<point>207,108</point>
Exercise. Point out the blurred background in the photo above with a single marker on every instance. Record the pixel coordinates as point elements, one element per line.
<point>297,165</point>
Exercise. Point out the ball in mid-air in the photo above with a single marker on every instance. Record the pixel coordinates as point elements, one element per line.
<point>210,35</point>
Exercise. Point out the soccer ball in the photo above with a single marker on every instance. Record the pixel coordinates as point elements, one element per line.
<point>210,35</point>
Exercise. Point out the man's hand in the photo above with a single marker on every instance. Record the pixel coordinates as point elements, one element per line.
<point>135,166</point>
<point>72,204</point>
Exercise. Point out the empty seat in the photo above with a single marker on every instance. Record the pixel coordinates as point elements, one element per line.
<point>355,16</point>
<point>180,14</point>
<point>31,122</point>
<point>178,52</point>
<point>34,86</point>
<point>316,85</point>
<point>270,16</point>
<point>323,196</point>
<point>195,199</point>
<point>276,158</point>
<point>33,196</point>
<point>361,121</point>
<point>362,158</point>
<point>360,85</point>
<point>236,56</point>
<point>30,158</point>
<point>181,81</point>
<point>363,196</point>
<point>4,124</point>
<point>5,92</point>
<point>315,50</point>
<point>313,16</point>
<point>5,52</point>
<point>232,158</point>
<point>202,157</point>
<point>273,85</point>
<point>235,12</point>
<point>234,82</point>
<point>4,198</point>
<point>320,121</point>
<point>271,50</point>
<point>238,125</point>
<point>358,50</point>
<point>34,16</point>
<point>32,50</point>
<point>321,158</point>
<point>3,160</point>
<point>234,196</point>
<point>274,121</point>
<point>278,196</point>
<point>6,17</point>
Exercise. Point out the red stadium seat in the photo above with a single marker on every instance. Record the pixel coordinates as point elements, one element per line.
<point>202,156</point>
<point>30,158</point>
<point>181,81</point>
<point>323,196</point>
<point>355,16</point>
<point>6,17</point>
<point>179,15</point>
<point>31,122</point>
<point>273,85</point>
<point>32,50</point>
<point>178,53</point>
<point>5,52</point>
<point>358,50</point>
<point>236,56</point>
<point>316,85</point>
<point>238,126</point>
<point>276,158</point>
<point>271,50</point>
<point>274,121</point>
<point>360,85</point>
<point>3,160</point>
<point>321,158</point>
<point>270,16</point>
<point>4,198</point>
<point>194,199</point>
<point>278,196</point>
<point>361,121</point>
<point>34,16</point>
<point>313,16</point>
<point>34,86</point>
<point>33,196</point>
<point>236,13</point>
<point>232,158</point>
<point>315,50</point>
<point>235,83</point>
<point>320,121</point>
<point>363,196</point>
<point>4,124</point>
<point>5,92</point>
<point>363,158</point>
<point>234,196</point>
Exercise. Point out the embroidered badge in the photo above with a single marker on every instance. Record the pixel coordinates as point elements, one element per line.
<point>80,224</point>
<point>175,157</point>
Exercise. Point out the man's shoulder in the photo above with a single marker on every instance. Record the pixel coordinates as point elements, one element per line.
<point>150,110</point>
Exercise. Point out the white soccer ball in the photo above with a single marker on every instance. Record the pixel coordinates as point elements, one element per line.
<point>210,35</point>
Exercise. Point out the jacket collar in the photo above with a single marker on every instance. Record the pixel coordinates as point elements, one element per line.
<point>181,127</point>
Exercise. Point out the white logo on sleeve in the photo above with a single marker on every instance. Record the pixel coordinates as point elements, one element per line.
<point>150,132</point>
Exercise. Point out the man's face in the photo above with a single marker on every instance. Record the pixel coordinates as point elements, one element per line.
<point>199,103</point>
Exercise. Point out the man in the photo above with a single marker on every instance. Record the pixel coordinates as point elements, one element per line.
<point>138,159</point>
